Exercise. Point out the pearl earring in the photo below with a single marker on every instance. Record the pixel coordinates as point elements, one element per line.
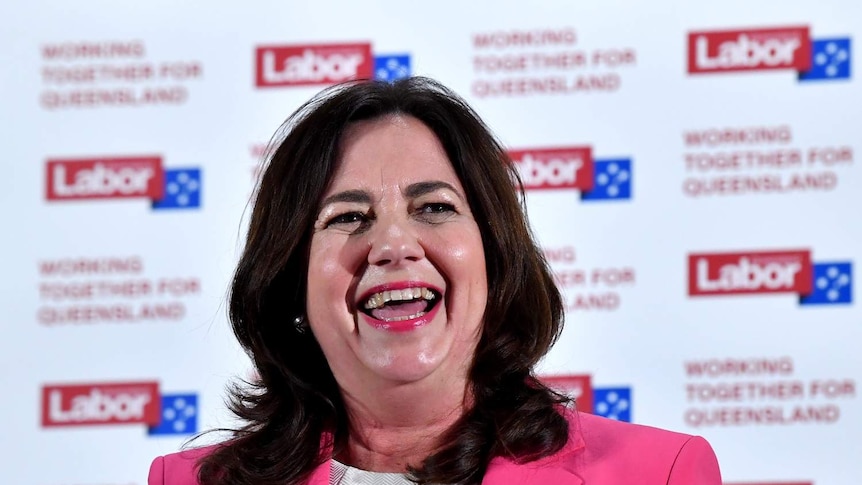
<point>300,325</point>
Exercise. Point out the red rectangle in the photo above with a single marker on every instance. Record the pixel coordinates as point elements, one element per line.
<point>309,65</point>
<point>555,168</point>
<point>105,178</point>
<point>750,272</point>
<point>749,50</point>
<point>577,386</point>
<point>102,403</point>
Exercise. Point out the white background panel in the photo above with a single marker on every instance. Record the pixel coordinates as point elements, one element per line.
<point>643,342</point>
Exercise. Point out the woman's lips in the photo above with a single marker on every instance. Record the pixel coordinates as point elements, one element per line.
<point>399,306</point>
<point>394,311</point>
<point>402,324</point>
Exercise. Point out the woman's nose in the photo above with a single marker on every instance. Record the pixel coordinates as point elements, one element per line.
<point>393,242</point>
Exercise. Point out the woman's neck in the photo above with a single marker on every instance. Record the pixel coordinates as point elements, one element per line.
<point>399,426</point>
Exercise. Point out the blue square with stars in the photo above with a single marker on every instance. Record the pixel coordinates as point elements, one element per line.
<point>182,189</point>
<point>612,180</point>
<point>831,59</point>
<point>833,284</point>
<point>179,415</point>
<point>613,402</point>
<point>392,67</point>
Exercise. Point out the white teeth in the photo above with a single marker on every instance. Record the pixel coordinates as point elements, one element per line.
<point>377,300</point>
<point>408,317</point>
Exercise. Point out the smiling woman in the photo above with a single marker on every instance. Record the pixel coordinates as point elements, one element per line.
<point>395,226</point>
<point>394,304</point>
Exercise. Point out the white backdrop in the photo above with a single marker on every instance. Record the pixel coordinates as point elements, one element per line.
<point>703,225</point>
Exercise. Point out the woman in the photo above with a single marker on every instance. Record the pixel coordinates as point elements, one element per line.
<point>394,304</point>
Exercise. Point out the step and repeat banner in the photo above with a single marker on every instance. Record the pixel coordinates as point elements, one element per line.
<point>691,172</point>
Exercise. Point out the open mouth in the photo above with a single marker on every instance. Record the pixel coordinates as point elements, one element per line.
<point>401,304</point>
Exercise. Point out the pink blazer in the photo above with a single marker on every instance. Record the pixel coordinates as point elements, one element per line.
<point>599,452</point>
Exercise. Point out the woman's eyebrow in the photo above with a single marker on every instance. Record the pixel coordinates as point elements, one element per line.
<point>421,188</point>
<point>358,196</point>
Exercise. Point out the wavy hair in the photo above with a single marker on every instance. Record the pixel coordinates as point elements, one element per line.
<point>294,412</point>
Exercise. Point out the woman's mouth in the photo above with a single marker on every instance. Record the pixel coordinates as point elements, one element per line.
<point>402,307</point>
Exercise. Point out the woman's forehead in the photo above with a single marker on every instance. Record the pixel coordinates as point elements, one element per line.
<point>393,152</point>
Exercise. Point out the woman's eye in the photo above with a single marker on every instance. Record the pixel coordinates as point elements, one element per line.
<point>348,219</point>
<point>436,211</point>
<point>437,207</point>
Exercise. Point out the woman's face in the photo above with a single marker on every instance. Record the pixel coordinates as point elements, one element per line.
<point>396,281</point>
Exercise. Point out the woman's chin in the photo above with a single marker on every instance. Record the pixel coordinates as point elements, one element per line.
<point>407,374</point>
<point>412,350</point>
<point>408,363</point>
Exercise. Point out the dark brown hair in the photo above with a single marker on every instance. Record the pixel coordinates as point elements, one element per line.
<point>296,402</point>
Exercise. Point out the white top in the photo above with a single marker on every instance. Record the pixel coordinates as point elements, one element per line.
<point>342,474</point>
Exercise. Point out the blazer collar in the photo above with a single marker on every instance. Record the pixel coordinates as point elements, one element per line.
<point>557,468</point>
<point>320,476</point>
<point>561,467</point>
